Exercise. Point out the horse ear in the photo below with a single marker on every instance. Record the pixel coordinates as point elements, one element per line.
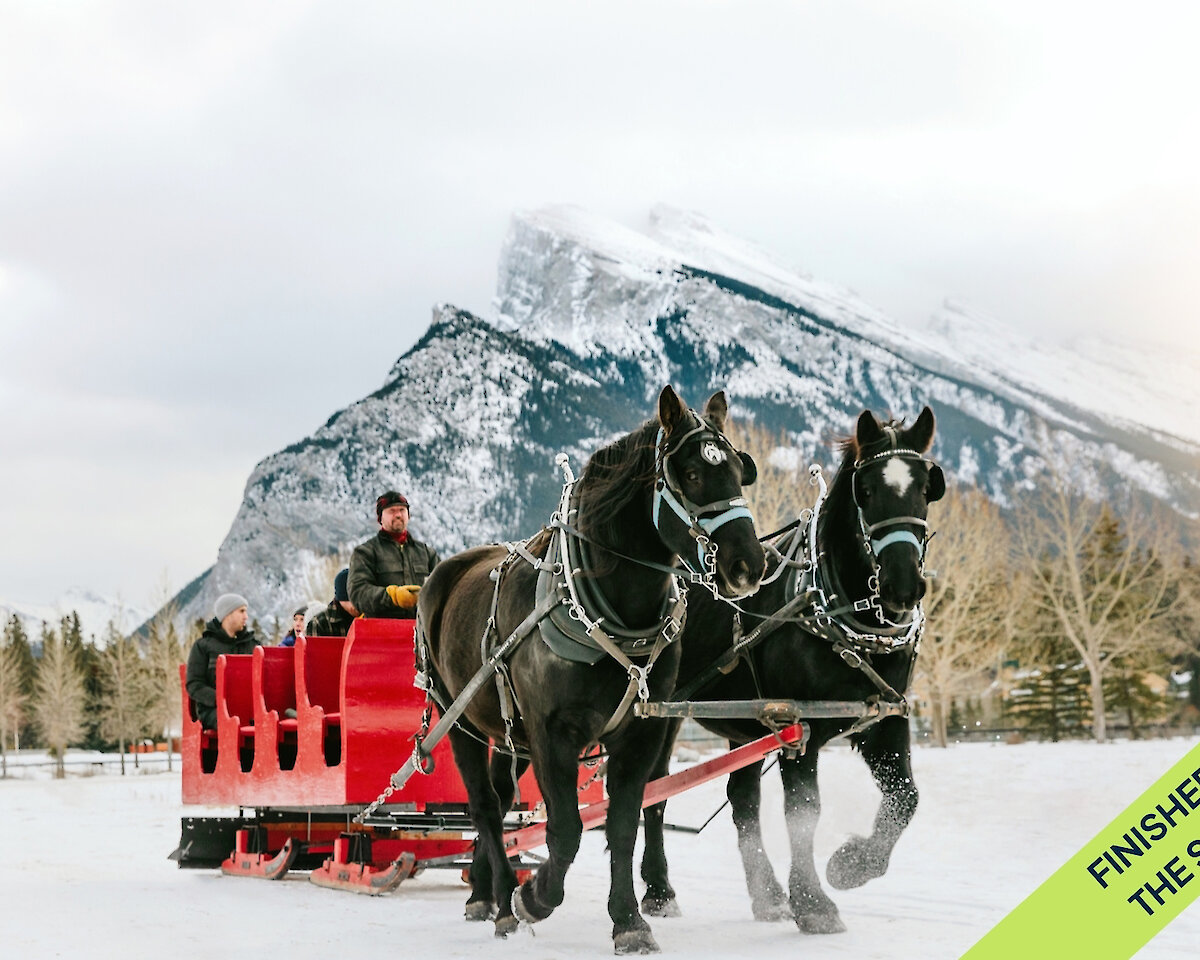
<point>670,409</point>
<point>749,468</point>
<point>867,430</point>
<point>716,410</point>
<point>920,435</point>
<point>936,488</point>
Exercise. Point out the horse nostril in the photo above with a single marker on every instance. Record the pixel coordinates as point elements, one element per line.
<point>741,572</point>
<point>921,585</point>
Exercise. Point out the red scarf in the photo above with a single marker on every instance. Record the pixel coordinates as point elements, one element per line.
<point>400,538</point>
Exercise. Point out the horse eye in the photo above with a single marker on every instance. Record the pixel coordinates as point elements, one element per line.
<point>691,476</point>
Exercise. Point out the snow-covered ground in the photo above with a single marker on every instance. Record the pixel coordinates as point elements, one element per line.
<point>88,876</point>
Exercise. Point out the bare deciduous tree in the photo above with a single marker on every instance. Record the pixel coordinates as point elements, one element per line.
<point>968,603</point>
<point>1109,587</point>
<point>122,690</point>
<point>782,490</point>
<point>59,697</point>
<point>164,654</point>
<point>12,699</point>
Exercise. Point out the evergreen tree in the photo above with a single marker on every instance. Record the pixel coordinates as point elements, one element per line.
<point>122,713</point>
<point>59,698</point>
<point>1052,701</point>
<point>88,658</point>
<point>1128,694</point>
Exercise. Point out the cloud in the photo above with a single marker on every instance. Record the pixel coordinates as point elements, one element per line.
<point>220,223</point>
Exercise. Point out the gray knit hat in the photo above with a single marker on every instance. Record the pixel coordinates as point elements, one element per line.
<point>227,603</point>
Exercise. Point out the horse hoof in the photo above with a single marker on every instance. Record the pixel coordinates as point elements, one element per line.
<point>505,926</point>
<point>772,912</point>
<point>521,909</point>
<point>661,907</point>
<point>820,923</point>
<point>852,865</point>
<point>634,941</point>
<point>480,910</point>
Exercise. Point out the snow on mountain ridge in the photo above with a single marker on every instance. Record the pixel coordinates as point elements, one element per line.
<point>1088,374</point>
<point>1152,387</point>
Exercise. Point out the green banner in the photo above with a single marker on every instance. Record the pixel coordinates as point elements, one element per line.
<point>1122,888</point>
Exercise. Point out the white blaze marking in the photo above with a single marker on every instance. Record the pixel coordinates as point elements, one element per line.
<point>897,475</point>
<point>712,453</point>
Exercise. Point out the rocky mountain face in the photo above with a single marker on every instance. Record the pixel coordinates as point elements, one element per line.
<point>590,320</point>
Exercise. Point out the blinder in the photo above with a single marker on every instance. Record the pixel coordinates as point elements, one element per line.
<point>937,483</point>
<point>749,468</point>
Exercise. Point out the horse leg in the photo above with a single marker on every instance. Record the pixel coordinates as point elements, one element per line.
<point>556,763</point>
<point>744,790</point>
<point>630,761</point>
<point>812,910</point>
<point>659,899</point>
<point>492,878</point>
<point>886,748</point>
<point>480,872</point>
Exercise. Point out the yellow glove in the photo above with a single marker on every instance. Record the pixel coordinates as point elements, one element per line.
<point>404,597</point>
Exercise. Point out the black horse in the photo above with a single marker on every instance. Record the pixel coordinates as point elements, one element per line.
<point>671,488</point>
<point>849,634</point>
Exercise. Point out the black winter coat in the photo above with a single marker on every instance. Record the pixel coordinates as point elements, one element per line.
<point>202,666</point>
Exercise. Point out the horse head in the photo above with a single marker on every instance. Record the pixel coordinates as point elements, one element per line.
<point>892,485</point>
<point>698,507</point>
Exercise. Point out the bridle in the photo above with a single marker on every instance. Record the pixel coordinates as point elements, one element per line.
<point>875,545</point>
<point>701,521</point>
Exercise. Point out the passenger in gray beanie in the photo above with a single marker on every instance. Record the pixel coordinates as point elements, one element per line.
<point>226,632</point>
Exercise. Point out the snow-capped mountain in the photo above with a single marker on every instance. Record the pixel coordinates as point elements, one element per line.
<point>589,321</point>
<point>1149,386</point>
<point>95,613</point>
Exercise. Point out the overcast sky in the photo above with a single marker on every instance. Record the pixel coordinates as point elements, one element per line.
<point>221,222</point>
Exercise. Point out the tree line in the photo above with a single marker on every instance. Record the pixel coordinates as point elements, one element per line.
<point>62,690</point>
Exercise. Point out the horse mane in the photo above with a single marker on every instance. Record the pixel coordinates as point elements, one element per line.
<point>614,475</point>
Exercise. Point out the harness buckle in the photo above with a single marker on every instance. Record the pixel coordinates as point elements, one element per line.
<point>638,674</point>
<point>851,657</point>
